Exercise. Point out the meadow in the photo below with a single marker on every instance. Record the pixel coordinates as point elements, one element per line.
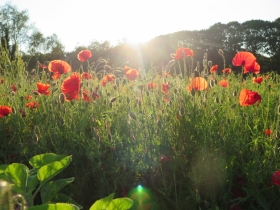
<point>192,136</point>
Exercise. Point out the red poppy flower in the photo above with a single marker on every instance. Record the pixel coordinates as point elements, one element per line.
<point>214,69</point>
<point>86,75</point>
<point>85,95</point>
<point>131,74</point>
<point>71,87</point>
<point>183,52</point>
<point>107,78</point>
<point>254,68</point>
<point>32,105</point>
<point>248,97</point>
<point>151,85</point>
<point>224,83</point>
<point>267,132</point>
<point>14,88</point>
<point>42,66</point>
<point>165,88</point>
<point>94,95</point>
<point>197,83</point>
<point>58,67</point>
<point>267,76</point>
<point>243,59</point>
<point>5,110</point>
<point>126,69</point>
<point>43,88</point>
<point>164,158</point>
<point>257,80</point>
<point>226,71</point>
<point>275,178</point>
<point>28,97</point>
<point>84,55</point>
<point>22,112</point>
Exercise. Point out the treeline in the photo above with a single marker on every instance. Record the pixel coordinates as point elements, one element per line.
<point>262,38</point>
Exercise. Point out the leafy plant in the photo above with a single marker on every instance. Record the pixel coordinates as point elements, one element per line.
<point>108,203</point>
<point>29,182</point>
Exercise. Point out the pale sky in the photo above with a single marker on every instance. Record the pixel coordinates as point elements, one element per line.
<point>79,22</point>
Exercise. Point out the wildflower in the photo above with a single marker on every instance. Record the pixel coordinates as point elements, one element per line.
<point>197,83</point>
<point>151,85</point>
<point>1,81</point>
<point>224,83</point>
<point>28,97</point>
<point>84,55</point>
<point>183,52</point>
<point>255,68</point>
<point>58,67</point>
<point>164,158</point>
<point>243,59</point>
<point>94,95</point>
<point>86,75</point>
<point>131,74</point>
<point>43,88</point>
<point>257,80</point>
<point>275,178</point>
<point>22,112</point>
<point>32,105</point>
<point>226,71</point>
<point>14,88</point>
<point>214,69</point>
<point>248,97</point>
<point>71,87</point>
<point>165,88</point>
<point>5,110</point>
<point>85,95</point>
<point>267,132</point>
<point>42,66</point>
<point>107,78</point>
<point>126,69</point>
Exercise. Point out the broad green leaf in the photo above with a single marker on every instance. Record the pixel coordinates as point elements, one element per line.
<point>32,183</point>
<point>50,189</point>
<point>18,174</point>
<point>38,161</point>
<point>50,170</point>
<point>60,197</point>
<point>5,178</point>
<point>57,206</point>
<point>120,204</point>
<point>3,168</point>
<point>102,203</point>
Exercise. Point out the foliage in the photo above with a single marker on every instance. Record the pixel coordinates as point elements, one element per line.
<point>29,182</point>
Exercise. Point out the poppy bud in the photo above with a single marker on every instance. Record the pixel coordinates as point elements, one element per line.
<point>210,63</point>
<point>234,93</point>
<point>36,93</point>
<point>127,100</point>
<point>117,82</point>
<point>159,123</point>
<point>61,98</point>
<point>13,93</point>
<point>172,55</point>
<point>132,115</point>
<point>193,92</point>
<point>54,84</point>
<point>212,83</point>
<point>221,52</point>
<point>19,85</point>
<point>113,99</point>
<point>217,100</point>
<point>55,89</point>
<point>147,93</point>
<point>233,106</point>
<point>181,111</point>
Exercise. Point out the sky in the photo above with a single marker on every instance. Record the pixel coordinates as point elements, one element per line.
<point>79,22</point>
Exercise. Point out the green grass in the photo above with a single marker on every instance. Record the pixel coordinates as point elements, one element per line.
<point>215,145</point>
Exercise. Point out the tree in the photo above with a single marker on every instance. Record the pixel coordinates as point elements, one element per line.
<point>16,23</point>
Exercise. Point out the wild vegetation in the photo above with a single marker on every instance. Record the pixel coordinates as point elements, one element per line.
<point>195,133</point>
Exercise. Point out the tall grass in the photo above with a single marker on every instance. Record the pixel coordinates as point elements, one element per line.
<point>219,154</point>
